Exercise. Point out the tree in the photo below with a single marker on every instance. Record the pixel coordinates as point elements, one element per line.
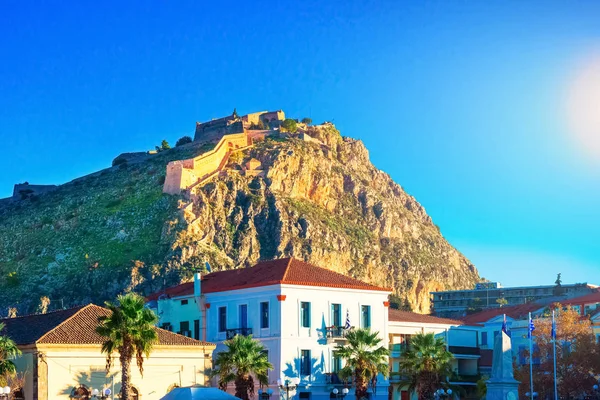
<point>365,359</point>
<point>129,330</point>
<point>183,140</point>
<point>426,362</point>
<point>289,125</point>
<point>306,121</point>
<point>8,351</point>
<point>244,359</point>
<point>164,145</point>
<point>577,355</point>
<point>234,114</point>
<point>501,301</point>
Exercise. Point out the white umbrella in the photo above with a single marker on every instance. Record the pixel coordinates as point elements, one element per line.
<point>197,393</point>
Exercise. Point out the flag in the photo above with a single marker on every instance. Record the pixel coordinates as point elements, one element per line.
<point>531,327</point>
<point>347,325</point>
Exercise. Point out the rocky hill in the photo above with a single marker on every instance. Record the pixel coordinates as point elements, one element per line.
<point>325,203</point>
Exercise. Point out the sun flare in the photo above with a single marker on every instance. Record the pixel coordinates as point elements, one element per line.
<point>583,107</point>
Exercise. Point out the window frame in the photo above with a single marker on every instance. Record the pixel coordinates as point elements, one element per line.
<point>222,319</point>
<point>264,314</point>
<point>305,314</point>
<point>305,362</point>
<point>365,323</point>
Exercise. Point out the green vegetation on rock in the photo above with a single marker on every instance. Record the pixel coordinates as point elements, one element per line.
<point>115,230</point>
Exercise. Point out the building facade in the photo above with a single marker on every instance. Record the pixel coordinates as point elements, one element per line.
<point>455,303</point>
<point>469,361</point>
<point>62,359</point>
<point>298,311</point>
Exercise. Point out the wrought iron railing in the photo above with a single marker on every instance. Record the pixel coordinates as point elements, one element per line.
<point>336,332</point>
<point>230,333</point>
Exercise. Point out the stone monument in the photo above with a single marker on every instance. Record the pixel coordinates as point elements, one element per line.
<point>502,385</point>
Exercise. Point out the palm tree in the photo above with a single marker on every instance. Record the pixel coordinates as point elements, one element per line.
<point>244,359</point>
<point>8,351</point>
<point>426,362</point>
<point>129,330</point>
<point>364,358</point>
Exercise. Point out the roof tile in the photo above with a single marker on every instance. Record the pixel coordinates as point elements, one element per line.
<point>407,316</point>
<point>75,326</point>
<point>288,271</point>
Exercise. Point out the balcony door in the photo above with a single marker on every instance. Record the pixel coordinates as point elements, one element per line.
<point>336,314</point>
<point>244,316</point>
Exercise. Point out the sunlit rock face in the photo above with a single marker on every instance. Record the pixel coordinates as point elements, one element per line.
<point>320,200</point>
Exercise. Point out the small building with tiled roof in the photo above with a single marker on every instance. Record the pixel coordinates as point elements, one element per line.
<point>62,357</point>
<point>461,340</point>
<point>299,312</point>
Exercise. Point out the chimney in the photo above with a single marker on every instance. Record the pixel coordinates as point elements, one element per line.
<point>200,303</point>
<point>197,286</point>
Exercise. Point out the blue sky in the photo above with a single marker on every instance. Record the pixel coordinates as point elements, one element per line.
<point>462,103</point>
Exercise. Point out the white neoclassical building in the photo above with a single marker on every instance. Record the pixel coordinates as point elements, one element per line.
<point>297,310</point>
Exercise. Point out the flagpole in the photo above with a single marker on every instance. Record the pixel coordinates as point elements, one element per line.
<point>554,348</point>
<point>530,357</point>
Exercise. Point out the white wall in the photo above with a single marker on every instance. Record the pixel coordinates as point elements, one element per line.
<point>285,338</point>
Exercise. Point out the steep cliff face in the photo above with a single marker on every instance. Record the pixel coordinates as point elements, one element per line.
<point>324,203</point>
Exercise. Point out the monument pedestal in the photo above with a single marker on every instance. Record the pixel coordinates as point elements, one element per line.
<point>502,390</point>
<point>502,385</point>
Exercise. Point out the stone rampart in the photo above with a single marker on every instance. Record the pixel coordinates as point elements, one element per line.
<point>24,190</point>
<point>183,174</point>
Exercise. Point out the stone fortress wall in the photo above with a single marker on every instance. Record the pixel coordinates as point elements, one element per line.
<point>183,174</point>
<point>23,190</point>
<point>234,135</point>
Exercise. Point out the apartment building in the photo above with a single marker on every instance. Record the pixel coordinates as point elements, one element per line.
<point>455,303</point>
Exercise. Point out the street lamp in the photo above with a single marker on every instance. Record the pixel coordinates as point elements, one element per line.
<point>339,395</point>
<point>5,392</point>
<point>265,394</point>
<point>105,394</point>
<point>289,385</point>
<point>441,393</point>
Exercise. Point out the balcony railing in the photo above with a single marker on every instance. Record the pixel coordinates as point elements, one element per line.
<point>398,348</point>
<point>332,378</point>
<point>335,333</point>
<point>230,333</point>
<point>396,377</point>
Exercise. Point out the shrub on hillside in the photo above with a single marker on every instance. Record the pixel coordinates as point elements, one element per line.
<point>289,125</point>
<point>307,121</point>
<point>183,140</point>
<point>164,145</point>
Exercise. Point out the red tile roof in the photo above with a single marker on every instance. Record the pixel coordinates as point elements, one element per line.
<point>590,298</point>
<point>287,271</point>
<point>514,312</point>
<point>74,326</point>
<point>407,316</point>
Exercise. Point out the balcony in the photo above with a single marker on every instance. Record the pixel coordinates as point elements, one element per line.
<point>335,334</point>
<point>397,377</point>
<point>230,333</point>
<point>397,349</point>
<point>332,378</point>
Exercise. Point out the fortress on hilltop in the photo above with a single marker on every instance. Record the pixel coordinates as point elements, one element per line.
<point>234,133</point>
<point>233,123</point>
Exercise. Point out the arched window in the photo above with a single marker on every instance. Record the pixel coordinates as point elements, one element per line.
<point>81,393</point>
<point>135,395</point>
